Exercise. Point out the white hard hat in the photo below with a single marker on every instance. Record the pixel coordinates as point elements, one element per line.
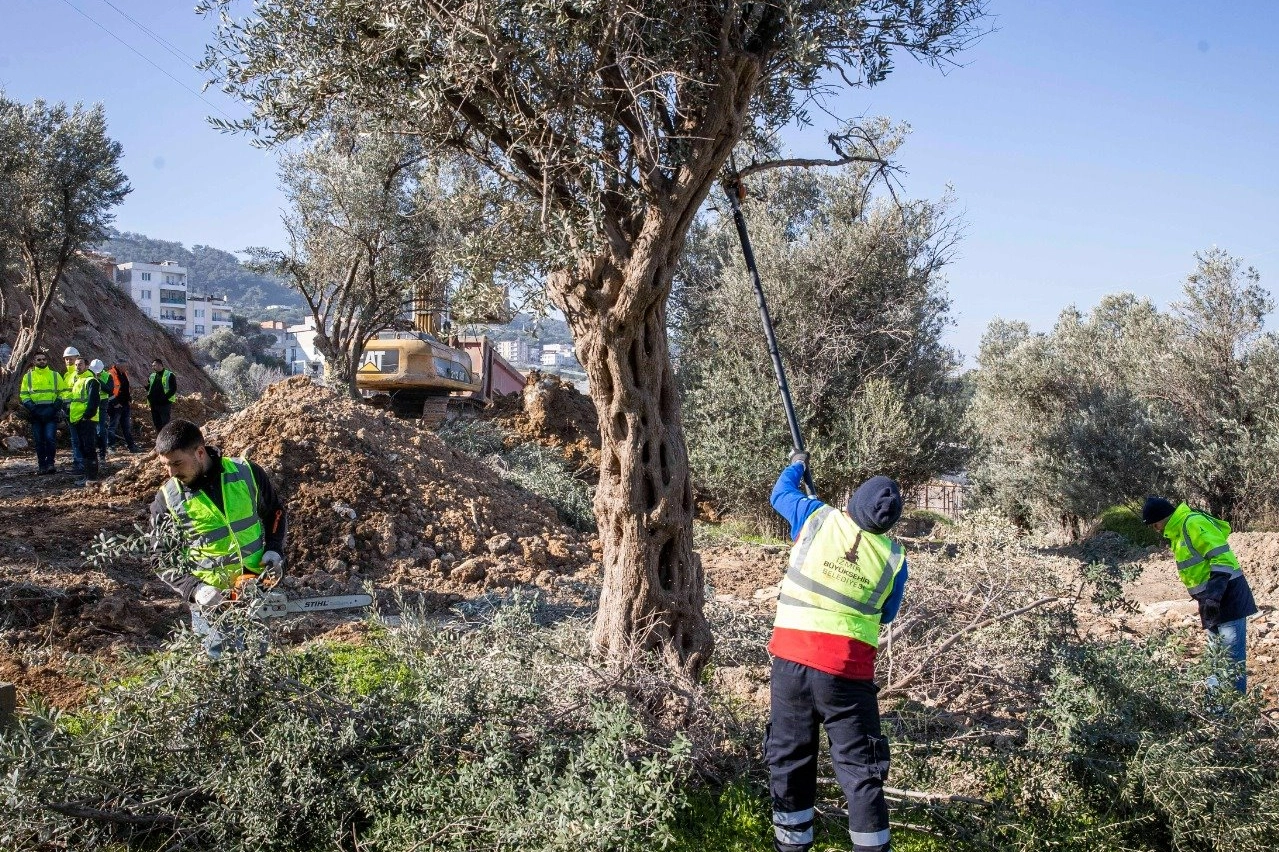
<point>70,352</point>
<point>96,366</point>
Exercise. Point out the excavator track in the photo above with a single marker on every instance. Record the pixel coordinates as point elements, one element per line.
<point>413,404</point>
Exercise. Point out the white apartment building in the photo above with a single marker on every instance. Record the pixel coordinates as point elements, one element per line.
<point>559,355</point>
<point>516,351</point>
<point>161,291</point>
<point>300,352</point>
<point>279,332</point>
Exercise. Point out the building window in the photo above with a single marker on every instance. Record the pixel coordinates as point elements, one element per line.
<point>144,295</point>
<point>146,276</point>
<point>199,312</point>
<point>199,329</point>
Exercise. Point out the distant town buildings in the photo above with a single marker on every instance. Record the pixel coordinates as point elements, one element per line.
<point>299,349</point>
<point>160,289</point>
<point>556,355</point>
<point>516,351</point>
<point>279,332</point>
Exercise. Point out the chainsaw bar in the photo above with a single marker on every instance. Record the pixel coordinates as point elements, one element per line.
<point>277,605</point>
<point>331,602</point>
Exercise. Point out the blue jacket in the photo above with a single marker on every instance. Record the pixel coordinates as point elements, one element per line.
<point>789,501</point>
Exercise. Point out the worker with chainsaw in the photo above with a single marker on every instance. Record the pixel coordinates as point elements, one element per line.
<point>1208,568</point>
<point>231,520</point>
<point>846,577</point>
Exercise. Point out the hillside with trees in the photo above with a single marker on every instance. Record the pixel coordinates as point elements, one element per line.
<point>210,269</point>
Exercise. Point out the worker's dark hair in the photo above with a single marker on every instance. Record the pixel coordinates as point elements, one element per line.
<point>178,435</point>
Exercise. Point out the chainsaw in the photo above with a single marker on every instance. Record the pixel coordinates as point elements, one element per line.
<point>266,603</point>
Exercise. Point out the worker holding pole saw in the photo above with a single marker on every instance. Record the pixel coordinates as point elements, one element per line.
<point>846,577</point>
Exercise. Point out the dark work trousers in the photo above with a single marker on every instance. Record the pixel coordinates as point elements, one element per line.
<point>803,700</point>
<point>122,425</point>
<point>160,415</point>
<point>77,457</point>
<point>44,434</point>
<point>86,432</point>
<point>104,428</point>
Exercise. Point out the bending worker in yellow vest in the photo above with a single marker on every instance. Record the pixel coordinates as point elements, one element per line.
<point>231,518</point>
<point>846,578</point>
<point>1211,574</point>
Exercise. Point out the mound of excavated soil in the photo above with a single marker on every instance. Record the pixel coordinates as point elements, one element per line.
<point>373,498</point>
<point>553,413</point>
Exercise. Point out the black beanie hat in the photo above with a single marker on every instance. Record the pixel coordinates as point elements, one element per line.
<point>876,504</point>
<point>1155,510</point>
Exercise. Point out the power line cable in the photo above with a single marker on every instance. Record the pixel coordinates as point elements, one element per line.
<point>147,59</point>
<point>161,40</point>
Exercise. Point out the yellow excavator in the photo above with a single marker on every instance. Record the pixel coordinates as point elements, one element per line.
<point>417,375</point>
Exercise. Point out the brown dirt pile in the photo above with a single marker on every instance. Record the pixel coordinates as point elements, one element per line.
<point>373,498</point>
<point>553,413</point>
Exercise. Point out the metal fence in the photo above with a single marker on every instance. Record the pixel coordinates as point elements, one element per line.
<point>944,498</point>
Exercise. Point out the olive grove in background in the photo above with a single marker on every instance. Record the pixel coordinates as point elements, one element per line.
<point>1129,400</point>
<point>859,306</point>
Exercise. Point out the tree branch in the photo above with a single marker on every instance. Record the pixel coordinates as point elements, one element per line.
<point>907,680</point>
<point>809,162</point>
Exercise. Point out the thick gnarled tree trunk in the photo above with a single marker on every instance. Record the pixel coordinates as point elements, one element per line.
<point>653,583</point>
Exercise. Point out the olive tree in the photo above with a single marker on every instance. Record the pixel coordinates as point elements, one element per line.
<point>1127,400</point>
<point>612,119</point>
<point>358,244</point>
<point>859,307</point>
<point>1216,375</point>
<point>59,180</point>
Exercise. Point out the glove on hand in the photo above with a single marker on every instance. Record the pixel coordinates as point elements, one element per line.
<point>206,595</point>
<point>797,456</point>
<point>272,566</point>
<point>1210,613</point>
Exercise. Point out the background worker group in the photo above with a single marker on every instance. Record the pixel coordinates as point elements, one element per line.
<point>96,402</point>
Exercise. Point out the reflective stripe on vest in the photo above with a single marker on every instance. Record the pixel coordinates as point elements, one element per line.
<point>1195,569</point>
<point>838,579</point>
<point>223,543</point>
<point>80,399</point>
<point>41,386</point>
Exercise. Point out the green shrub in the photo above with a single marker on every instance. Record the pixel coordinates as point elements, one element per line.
<point>501,736</point>
<point>1127,749</point>
<point>532,467</point>
<point>1127,523</point>
<point>928,515</point>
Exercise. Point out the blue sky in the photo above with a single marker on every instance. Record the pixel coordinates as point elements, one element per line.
<point>1091,146</point>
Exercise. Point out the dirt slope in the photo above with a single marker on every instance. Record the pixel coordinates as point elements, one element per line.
<point>98,318</point>
<point>553,413</point>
